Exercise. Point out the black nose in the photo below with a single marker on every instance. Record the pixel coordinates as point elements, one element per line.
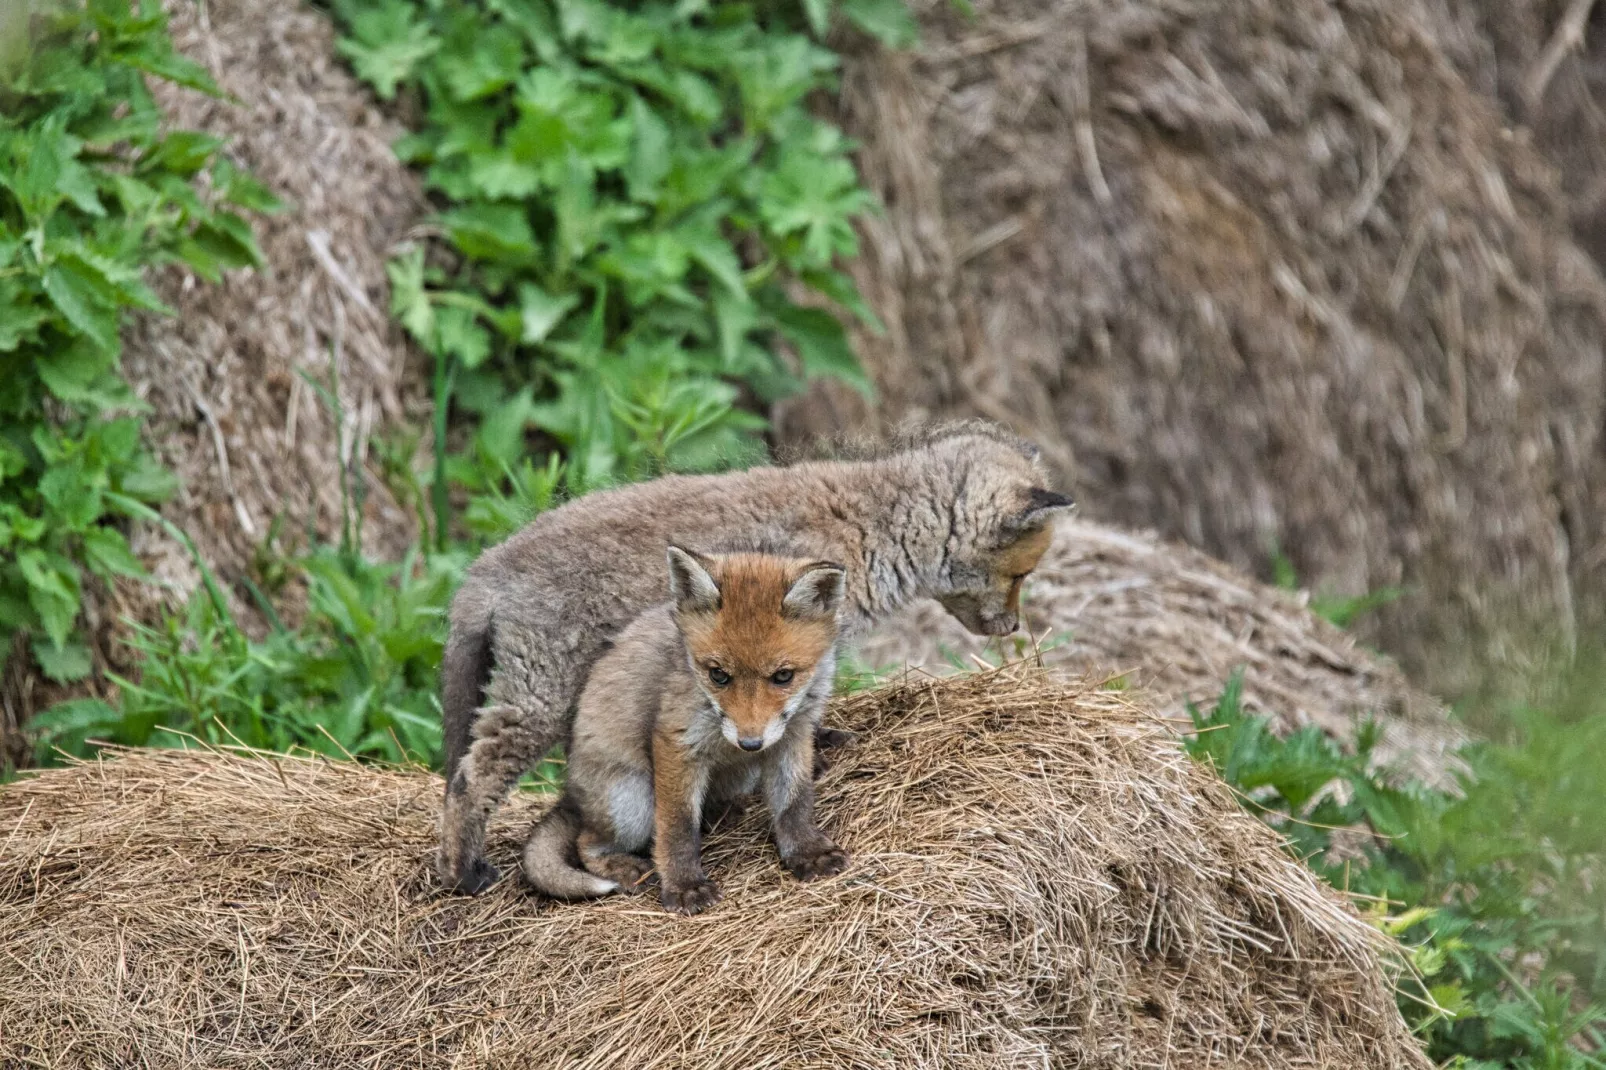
<point>750,744</point>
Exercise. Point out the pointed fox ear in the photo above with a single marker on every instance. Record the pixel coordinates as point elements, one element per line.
<point>816,593</point>
<point>691,585</point>
<point>1042,507</point>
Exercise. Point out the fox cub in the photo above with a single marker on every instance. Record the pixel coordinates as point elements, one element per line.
<point>701,700</point>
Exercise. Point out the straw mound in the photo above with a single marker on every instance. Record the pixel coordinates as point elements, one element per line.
<point>1252,271</point>
<point>1040,879</point>
<point>1545,60</point>
<point>1109,602</point>
<point>248,438</point>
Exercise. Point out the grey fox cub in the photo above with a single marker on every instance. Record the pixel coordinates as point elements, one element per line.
<point>701,700</point>
<point>961,516</point>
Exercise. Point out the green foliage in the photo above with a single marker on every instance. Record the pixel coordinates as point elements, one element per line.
<point>358,678</point>
<point>631,196</point>
<point>1503,909</point>
<point>1337,609</point>
<point>92,192</point>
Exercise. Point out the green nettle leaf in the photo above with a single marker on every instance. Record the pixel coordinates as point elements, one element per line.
<point>63,664</point>
<point>542,311</point>
<point>888,21</point>
<point>492,232</point>
<point>52,592</point>
<point>822,345</point>
<point>108,554</point>
<point>386,44</point>
<point>649,152</point>
<point>462,337</point>
<point>408,301</point>
<point>818,12</point>
<point>716,257</point>
<point>486,62</point>
<point>81,301</point>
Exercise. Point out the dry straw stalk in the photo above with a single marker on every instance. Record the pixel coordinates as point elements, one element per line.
<point>1040,878</point>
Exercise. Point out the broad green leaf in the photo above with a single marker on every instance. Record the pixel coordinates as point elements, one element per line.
<point>822,345</point>
<point>108,554</point>
<point>462,337</point>
<point>542,311</point>
<point>818,12</point>
<point>718,259</point>
<point>52,592</point>
<point>888,21</point>
<point>408,301</point>
<point>489,231</point>
<point>63,664</point>
<point>70,373</point>
<point>81,301</point>
<point>649,152</point>
<point>483,64</point>
<point>386,44</point>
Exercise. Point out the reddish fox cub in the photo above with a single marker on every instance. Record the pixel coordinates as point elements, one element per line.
<point>701,700</point>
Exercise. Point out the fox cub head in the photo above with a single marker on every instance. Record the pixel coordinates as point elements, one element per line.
<point>985,572</point>
<point>757,628</point>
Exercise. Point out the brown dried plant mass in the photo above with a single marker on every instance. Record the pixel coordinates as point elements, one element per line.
<point>247,437</point>
<point>1250,271</point>
<point>1178,623</point>
<point>1040,878</point>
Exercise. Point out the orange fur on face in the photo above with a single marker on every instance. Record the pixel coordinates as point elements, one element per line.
<point>751,638</point>
<point>1018,559</point>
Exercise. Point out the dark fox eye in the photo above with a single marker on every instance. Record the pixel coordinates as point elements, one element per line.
<point>781,676</point>
<point>719,676</point>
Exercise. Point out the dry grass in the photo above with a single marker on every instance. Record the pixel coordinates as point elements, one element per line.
<point>1251,271</point>
<point>1040,878</point>
<point>248,438</point>
<point>1178,622</point>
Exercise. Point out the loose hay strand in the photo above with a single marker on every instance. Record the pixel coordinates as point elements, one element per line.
<point>1040,877</point>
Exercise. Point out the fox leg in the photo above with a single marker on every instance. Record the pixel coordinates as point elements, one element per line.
<point>508,741</point>
<point>677,850</point>
<point>806,852</point>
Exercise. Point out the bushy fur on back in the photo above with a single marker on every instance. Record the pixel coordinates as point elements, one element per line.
<point>911,433</point>
<point>959,517</point>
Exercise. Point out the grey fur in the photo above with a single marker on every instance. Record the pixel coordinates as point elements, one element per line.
<point>916,522</point>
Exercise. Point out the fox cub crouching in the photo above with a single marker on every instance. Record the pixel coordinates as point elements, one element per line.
<point>704,699</point>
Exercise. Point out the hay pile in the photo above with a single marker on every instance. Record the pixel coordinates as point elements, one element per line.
<point>247,436</point>
<point>1250,271</point>
<point>1545,60</point>
<point>1107,602</point>
<point>1040,878</point>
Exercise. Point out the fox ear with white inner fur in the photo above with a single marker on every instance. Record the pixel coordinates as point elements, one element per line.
<point>691,585</point>
<point>816,593</point>
<point>1042,507</point>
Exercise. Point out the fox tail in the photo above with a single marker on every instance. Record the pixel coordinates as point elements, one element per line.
<point>547,859</point>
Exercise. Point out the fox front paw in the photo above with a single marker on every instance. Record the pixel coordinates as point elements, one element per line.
<point>816,860</point>
<point>691,898</point>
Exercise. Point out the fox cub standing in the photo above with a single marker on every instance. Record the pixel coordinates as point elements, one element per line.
<point>703,699</point>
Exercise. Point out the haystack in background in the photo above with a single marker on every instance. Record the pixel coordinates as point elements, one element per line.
<point>1178,623</point>
<point>248,438</point>
<point>1545,61</point>
<point>1040,878</point>
<point>1252,272</point>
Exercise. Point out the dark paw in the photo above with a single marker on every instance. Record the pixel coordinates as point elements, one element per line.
<point>479,876</point>
<point>629,872</point>
<point>822,859</point>
<point>691,898</point>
